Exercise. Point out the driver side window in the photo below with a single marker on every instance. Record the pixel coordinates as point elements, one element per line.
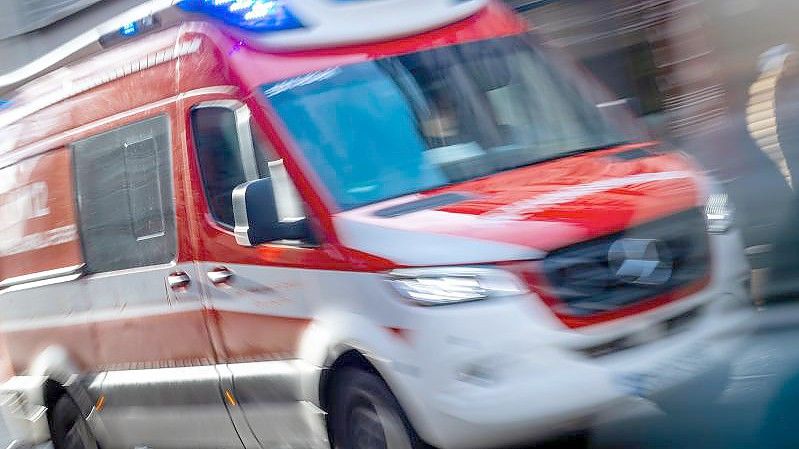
<point>230,153</point>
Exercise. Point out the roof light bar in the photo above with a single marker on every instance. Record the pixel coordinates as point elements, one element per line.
<point>130,30</point>
<point>252,15</point>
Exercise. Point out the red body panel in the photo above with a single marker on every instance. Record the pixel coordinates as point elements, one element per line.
<point>531,273</point>
<point>246,337</point>
<point>24,345</point>
<point>38,228</point>
<point>100,102</point>
<point>507,207</point>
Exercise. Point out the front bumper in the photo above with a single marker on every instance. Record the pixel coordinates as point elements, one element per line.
<point>552,391</point>
<point>498,373</point>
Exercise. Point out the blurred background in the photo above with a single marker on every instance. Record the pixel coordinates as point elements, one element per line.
<point>718,79</point>
<point>714,77</point>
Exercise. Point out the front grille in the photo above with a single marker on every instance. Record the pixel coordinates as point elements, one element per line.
<point>666,328</point>
<point>620,270</point>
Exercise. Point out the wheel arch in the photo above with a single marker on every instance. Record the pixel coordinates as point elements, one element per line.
<point>62,377</point>
<point>352,340</point>
<point>346,358</point>
<point>56,365</point>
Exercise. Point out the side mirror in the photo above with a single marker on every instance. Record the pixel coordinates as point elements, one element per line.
<point>256,217</point>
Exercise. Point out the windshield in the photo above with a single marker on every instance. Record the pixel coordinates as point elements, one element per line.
<point>386,128</point>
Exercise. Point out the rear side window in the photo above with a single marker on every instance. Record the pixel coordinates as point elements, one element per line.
<point>125,201</point>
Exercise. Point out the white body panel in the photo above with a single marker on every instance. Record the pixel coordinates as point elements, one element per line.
<point>542,380</point>
<point>423,248</point>
<point>470,375</point>
<point>539,378</point>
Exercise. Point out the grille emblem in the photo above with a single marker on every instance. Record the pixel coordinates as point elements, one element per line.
<point>640,261</point>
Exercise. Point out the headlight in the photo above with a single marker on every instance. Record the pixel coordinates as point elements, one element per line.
<point>448,285</point>
<point>719,213</point>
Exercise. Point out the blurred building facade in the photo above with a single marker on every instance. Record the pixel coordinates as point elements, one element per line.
<point>710,76</point>
<point>653,52</point>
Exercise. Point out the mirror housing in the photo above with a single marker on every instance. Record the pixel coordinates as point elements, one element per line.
<point>256,217</point>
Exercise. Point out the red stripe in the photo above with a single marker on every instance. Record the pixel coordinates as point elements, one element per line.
<point>169,339</point>
<point>531,273</point>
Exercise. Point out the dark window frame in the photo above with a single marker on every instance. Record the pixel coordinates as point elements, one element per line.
<point>256,156</point>
<point>160,132</point>
<point>245,148</point>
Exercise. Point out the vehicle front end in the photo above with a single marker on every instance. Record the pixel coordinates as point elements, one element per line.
<point>545,266</point>
<point>550,334</point>
<point>519,262</point>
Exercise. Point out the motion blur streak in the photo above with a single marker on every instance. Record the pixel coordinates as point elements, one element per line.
<point>399,224</point>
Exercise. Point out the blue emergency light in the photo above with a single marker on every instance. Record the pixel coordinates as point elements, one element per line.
<point>130,29</point>
<point>253,15</point>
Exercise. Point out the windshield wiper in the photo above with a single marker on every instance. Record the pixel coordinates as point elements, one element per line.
<point>566,154</point>
<point>584,150</point>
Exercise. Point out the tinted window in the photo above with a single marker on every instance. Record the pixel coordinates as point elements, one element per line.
<point>125,200</point>
<point>221,165</point>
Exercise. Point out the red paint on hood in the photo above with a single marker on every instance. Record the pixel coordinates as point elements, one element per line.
<point>557,203</point>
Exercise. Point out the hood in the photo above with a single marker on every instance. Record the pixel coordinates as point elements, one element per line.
<point>523,213</point>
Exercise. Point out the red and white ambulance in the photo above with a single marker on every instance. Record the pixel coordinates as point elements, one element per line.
<point>370,224</point>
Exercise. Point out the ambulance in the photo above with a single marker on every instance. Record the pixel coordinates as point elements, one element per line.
<point>357,224</point>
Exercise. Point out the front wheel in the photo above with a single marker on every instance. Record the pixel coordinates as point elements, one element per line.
<point>69,428</point>
<point>365,415</point>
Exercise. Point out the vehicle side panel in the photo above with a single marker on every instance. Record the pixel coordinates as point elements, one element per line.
<point>93,90</point>
<point>37,217</point>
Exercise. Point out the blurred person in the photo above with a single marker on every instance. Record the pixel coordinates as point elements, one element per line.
<point>785,264</point>
<point>787,106</point>
<point>440,127</point>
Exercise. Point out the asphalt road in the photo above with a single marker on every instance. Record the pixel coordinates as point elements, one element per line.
<point>758,407</point>
<point>5,438</point>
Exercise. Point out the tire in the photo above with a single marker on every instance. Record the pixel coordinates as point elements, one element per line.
<point>365,415</point>
<point>578,439</point>
<point>69,428</point>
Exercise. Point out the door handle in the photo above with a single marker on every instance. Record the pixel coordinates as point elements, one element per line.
<point>178,280</point>
<point>219,275</point>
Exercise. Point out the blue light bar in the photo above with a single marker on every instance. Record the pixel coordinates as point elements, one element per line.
<point>130,29</point>
<point>4,103</point>
<point>253,15</point>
